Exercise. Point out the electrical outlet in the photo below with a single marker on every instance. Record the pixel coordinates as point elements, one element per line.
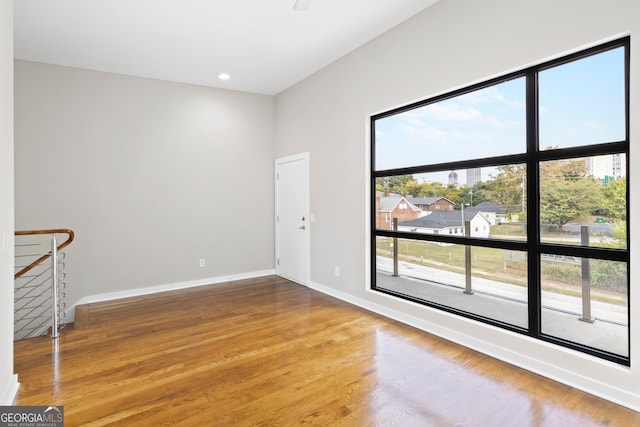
<point>336,271</point>
<point>202,263</point>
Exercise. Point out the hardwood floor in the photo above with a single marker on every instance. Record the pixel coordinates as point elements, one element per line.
<point>269,352</point>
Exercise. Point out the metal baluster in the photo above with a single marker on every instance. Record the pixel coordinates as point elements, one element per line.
<point>54,287</point>
<point>586,278</point>
<point>467,260</point>
<point>396,246</point>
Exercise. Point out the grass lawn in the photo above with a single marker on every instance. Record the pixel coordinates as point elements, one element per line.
<point>496,264</point>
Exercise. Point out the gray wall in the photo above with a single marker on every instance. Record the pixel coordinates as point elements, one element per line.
<point>8,381</point>
<point>452,44</point>
<point>151,176</point>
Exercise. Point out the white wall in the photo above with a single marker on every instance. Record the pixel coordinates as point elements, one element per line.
<point>450,45</point>
<point>151,176</point>
<point>8,381</point>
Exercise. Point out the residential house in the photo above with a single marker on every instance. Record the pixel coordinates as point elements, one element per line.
<point>429,204</point>
<point>496,214</point>
<point>449,223</point>
<point>394,207</point>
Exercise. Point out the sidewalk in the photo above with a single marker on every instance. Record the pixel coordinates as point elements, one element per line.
<point>507,303</point>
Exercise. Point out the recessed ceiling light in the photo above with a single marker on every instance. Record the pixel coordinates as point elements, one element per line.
<point>224,76</point>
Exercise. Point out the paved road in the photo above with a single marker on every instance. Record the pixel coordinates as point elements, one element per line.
<point>507,303</point>
<point>551,300</point>
<point>594,227</point>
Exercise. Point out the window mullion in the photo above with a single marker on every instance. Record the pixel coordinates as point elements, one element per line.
<point>533,221</point>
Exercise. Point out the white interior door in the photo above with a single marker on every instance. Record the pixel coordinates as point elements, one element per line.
<point>292,218</point>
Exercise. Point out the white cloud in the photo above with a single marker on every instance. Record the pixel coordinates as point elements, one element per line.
<point>454,112</point>
<point>414,134</point>
<point>490,94</point>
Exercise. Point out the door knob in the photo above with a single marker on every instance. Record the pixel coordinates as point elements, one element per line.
<point>302,227</point>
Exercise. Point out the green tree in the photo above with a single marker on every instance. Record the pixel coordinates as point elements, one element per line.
<point>397,184</point>
<point>434,189</point>
<point>412,187</point>
<point>566,194</point>
<point>614,200</point>
<point>472,195</point>
<point>620,235</point>
<point>453,193</point>
<point>507,188</point>
<point>394,184</point>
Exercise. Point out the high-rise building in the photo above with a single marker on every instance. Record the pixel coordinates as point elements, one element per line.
<point>619,166</point>
<point>607,167</point>
<point>474,176</point>
<point>453,178</point>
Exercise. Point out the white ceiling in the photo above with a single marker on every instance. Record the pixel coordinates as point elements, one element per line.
<point>264,45</point>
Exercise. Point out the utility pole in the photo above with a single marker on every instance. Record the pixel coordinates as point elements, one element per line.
<point>523,191</point>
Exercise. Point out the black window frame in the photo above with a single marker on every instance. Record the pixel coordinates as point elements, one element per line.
<point>532,158</point>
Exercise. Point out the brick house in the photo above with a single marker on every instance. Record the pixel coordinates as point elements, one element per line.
<point>399,207</point>
<point>428,204</point>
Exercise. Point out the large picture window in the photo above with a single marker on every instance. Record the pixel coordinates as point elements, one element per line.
<point>507,202</point>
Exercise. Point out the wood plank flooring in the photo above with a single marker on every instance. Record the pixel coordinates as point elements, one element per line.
<point>272,353</point>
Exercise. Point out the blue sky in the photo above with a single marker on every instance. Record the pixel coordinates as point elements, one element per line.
<point>581,102</point>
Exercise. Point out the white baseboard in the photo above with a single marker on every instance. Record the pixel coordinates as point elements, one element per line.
<point>10,391</point>
<point>614,394</point>
<point>70,312</point>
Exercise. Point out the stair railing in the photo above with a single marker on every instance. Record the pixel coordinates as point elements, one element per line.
<point>38,284</point>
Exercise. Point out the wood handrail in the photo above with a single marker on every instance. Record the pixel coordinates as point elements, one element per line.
<point>63,245</point>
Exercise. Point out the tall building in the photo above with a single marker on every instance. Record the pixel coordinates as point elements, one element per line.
<point>619,165</point>
<point>453,178</point>
<point>607,167</point>
<point>474,176</point>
